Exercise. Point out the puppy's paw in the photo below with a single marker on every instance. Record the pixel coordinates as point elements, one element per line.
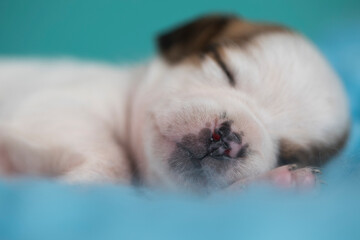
<point>285,177</point>
<point>291,176</point>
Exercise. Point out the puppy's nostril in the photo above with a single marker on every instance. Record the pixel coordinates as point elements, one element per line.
<point>216,137</point>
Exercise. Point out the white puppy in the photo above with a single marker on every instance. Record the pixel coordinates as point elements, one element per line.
<point>227,101</point>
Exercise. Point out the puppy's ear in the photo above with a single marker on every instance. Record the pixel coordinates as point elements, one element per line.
<point>193,37</point>
<point>206,33</point>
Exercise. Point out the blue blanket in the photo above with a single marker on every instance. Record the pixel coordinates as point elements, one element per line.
<point>39,209</point>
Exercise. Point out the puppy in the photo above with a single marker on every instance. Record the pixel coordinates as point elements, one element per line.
<point>226,102</point>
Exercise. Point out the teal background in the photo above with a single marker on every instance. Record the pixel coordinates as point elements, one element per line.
<point>124,30</point>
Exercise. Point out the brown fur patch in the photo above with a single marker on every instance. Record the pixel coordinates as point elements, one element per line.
<point>6,168</point>
<point>313,155</point>
<point>198,36</point>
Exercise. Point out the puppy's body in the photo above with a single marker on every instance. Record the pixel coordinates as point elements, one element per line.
<point>200,116</point>
<point>60,117</point>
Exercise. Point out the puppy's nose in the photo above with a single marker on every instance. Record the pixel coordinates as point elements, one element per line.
<point>223,140</point>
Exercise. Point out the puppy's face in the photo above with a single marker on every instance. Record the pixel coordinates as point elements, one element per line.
<point>205,125</point>
<point>206,134</point>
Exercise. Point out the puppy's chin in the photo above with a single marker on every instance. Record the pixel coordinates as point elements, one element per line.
<point>201,144</point>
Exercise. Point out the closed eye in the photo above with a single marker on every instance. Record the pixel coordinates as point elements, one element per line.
<point>222,65</point>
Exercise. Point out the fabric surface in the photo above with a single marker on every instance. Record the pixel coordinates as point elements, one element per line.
<point>41,209</point>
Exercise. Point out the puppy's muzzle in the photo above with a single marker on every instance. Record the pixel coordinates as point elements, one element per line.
<point>220,145</point>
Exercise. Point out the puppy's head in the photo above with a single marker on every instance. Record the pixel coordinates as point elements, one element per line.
<point>215,108</point>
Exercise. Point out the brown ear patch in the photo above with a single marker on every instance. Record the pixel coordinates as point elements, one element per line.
<point>313,155</point>
<point>204,33</point>
<point>192,37</point>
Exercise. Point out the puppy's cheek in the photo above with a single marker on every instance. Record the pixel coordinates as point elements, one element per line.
<point>157,149</point>
<point>263,147</point>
